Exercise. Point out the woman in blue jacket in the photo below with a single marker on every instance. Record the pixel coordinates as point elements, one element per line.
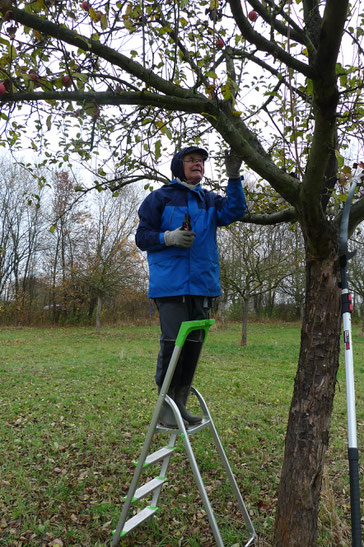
<point>177,228</point>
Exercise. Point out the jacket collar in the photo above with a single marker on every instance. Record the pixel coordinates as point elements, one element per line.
<point>197,189</point>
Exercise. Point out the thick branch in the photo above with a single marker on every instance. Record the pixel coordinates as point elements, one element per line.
<point>332,29</point>
<point>268,219</point>
<point>325,100</point>
<point>246,145</point>
<point>142,98</point>
<point>266,45</point>
<point>150,79</point>
<point>312,17</point>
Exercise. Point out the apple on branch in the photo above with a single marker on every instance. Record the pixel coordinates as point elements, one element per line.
<point>253,15</point>
<point>66,81</point>
<point>34,76</point>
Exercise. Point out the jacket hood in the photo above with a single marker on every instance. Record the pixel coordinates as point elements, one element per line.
<point>177,160</point>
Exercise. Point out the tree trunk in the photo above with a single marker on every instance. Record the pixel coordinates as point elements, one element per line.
<point>245,322</point>
<point>98,313</point>
<point>311,407</point>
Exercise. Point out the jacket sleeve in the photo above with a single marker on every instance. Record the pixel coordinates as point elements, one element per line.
<point>148,235</point>
<point>232,207</point>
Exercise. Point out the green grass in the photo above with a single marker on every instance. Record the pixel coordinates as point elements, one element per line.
<point>75,407</point>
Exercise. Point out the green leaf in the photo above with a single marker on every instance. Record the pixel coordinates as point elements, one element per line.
<point>211,74</point>
<point>340,159</point>
<point>80,76</point>
<point>103,21</point>
<point>226,91</point>
<point>157,148</point>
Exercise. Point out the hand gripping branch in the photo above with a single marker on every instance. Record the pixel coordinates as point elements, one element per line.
<point>346,309</point>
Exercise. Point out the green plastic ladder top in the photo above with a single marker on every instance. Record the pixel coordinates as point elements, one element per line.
<point>189,326</point>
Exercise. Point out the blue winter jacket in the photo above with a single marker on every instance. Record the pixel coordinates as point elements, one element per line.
<point>177,271</point>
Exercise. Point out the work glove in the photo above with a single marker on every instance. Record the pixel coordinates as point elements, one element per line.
<point>179,238</point>
<point>232,165</point>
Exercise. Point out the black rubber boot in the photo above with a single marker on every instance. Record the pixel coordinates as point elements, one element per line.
<point>166,416</point>
<point>180,398</point>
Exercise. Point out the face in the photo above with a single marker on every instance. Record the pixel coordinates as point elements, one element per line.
<point>193,166</point>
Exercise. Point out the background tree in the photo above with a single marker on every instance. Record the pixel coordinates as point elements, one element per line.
<point>293,286</point>
<point>254,261</point>
<point>274,86</point>
<point>21,227</point>
<point>356,275</point>
<point>111,258</point>
<point>66,221</point>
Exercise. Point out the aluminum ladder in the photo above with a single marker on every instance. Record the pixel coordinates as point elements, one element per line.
<point>164,454</point>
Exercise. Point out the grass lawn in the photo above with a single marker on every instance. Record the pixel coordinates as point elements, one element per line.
<point>75,407</point>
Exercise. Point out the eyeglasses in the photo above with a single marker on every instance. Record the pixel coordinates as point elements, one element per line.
<point>194,160</point>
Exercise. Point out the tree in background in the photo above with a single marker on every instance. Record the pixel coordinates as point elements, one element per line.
<point>66,220</point>
<point>65,252</point>
<point>293,285</point>
<point>110,258</point>
<point>356,274</point>
<point>254,262</point>
<point>273,82</point>
<point>21,227</point>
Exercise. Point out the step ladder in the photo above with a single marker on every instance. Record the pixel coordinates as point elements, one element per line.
<point>164,454</point>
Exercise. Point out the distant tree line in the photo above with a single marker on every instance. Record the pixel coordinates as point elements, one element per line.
<point>67,258</point>
<point>70,259</point>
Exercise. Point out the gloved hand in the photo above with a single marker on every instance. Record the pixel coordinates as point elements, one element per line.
<point>232,165</point>
<point>179,238</point>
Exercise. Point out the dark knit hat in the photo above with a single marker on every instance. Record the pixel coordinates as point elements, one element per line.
<point>177,160</point>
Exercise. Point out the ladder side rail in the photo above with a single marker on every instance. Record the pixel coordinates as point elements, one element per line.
<point>185,329</point>
<point>148,439</point>
<point>203,494</point>
<point>227,467</point>
<point>164,468</point>
<point>171,443</point>
<point>197,476</point>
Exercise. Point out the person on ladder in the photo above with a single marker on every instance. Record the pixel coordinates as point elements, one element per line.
<point>177,227</point>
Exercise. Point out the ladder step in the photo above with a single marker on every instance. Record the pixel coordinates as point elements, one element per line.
<point>158,455</point>
<point>196,428</point>
<point>190,430</point>
<point>132,523</point>
<point>147,488</point>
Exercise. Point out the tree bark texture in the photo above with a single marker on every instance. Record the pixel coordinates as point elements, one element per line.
<point>309,416</point>
<point>244,326</point>
<point>98,314</point>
